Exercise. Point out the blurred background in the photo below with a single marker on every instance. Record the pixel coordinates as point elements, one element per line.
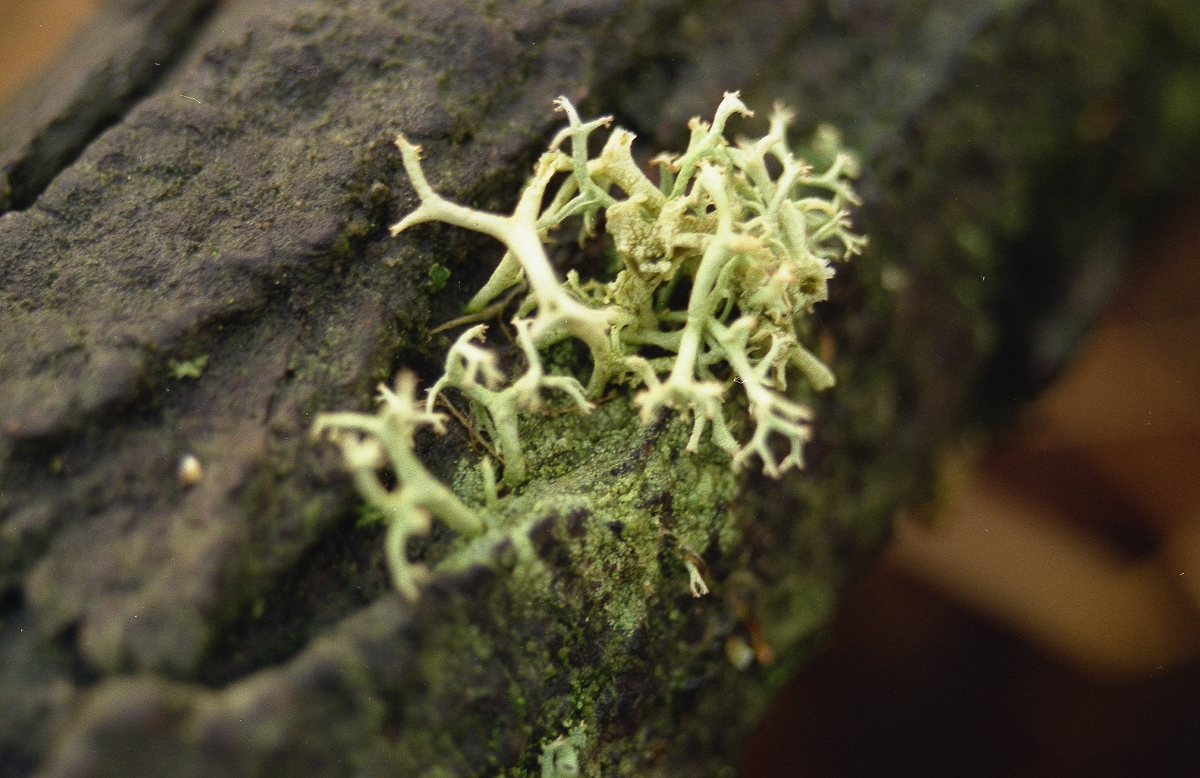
<point>1041,619</point>
<point>32,33</point>
<point>1043,616</point>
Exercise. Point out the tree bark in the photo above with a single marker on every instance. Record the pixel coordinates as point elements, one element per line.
<point>224,214</point>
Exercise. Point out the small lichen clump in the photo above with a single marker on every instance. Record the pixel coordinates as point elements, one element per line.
<point>747,231</point>
<point>369,443</point>
<point>560,758</point>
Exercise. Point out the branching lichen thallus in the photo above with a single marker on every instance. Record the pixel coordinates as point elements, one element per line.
<point>751,228</point>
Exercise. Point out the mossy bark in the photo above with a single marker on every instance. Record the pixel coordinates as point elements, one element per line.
<point>236,207</point>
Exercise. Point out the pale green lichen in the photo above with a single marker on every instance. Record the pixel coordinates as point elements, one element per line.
<point>472,370</point>
<point>368,443</point>
<point>187,368</point>
<point>749,231</point>
<point>560,758</point>
<point>755,248</point>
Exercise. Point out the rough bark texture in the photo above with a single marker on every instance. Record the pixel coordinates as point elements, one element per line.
<point>238,209</point>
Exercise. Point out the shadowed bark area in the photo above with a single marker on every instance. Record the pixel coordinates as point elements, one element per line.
<point>214,269</point>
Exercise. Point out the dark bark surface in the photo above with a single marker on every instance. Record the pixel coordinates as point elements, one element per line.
<point>231,222</point>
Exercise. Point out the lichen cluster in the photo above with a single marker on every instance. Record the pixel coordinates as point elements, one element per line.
<point>746,232</point>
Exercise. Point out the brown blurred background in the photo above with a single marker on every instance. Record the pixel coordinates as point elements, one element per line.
<point>1044,618</point>
<point>32,33</point>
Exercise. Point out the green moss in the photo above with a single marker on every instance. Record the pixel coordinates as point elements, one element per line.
<point>590,598</point>
<point>1181,102</point>
<point>438,276</point>
<point>635,496</point>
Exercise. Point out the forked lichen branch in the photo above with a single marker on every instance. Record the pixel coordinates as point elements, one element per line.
<point>371,442</point>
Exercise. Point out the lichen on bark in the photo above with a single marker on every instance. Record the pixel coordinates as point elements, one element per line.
<point>238,208</point>
<point>752,249</point>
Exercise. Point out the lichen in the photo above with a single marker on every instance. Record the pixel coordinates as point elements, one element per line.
<point>187,368</point>
<point>368,442</point>
<point>560,758</point>
<point>747,232</point>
